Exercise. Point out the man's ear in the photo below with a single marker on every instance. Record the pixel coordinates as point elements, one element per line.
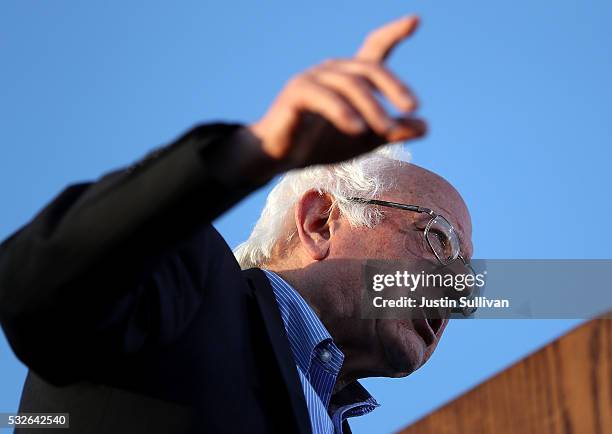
<point>314,215</point>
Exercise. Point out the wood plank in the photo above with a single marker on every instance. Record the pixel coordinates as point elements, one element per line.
<point>564,388</point>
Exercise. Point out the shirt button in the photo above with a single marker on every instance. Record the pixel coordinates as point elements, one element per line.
<point>325,356</point>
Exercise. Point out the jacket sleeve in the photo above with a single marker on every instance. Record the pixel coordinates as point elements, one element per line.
<point>79,280</point>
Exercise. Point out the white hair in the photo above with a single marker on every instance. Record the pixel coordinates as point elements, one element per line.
<point>367,177</point>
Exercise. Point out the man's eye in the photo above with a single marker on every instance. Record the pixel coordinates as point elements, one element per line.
<point>440,244</point>
<point>438,238</point>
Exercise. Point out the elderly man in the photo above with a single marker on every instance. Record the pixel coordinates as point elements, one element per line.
<point>134,316</point>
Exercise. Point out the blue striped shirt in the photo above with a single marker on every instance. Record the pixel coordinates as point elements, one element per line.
<point>318,362</point>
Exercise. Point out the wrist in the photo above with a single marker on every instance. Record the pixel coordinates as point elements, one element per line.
<point>242,160</point>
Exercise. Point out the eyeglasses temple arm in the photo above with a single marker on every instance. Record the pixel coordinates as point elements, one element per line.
<point>391,204</point>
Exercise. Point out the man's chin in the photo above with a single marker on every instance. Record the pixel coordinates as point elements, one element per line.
<point>405,351</point>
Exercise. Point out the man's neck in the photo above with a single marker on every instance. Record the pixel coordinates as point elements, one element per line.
<point>326,305</point>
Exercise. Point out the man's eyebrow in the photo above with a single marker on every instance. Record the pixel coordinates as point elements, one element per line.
<point>422,218</point>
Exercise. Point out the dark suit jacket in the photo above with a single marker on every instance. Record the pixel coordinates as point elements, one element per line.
<point>132,313</point>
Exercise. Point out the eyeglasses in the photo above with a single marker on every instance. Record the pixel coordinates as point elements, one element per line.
<point>439,233</point>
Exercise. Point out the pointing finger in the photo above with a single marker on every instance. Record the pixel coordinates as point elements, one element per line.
<point>379,44</point>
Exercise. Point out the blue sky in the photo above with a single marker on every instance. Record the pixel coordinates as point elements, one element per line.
<point>517,95</point>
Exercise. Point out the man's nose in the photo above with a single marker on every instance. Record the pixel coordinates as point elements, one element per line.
<point>463,277</point>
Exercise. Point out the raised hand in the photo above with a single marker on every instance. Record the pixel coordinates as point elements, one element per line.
<point>330,112</point>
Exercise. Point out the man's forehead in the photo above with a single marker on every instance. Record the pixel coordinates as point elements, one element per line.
<point>418,186</point>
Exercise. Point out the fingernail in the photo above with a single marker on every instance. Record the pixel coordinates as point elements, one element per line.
<point>421,128</point>
<point>411,102</point>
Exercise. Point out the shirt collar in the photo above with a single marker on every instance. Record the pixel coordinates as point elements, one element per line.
<point>304,328</point>
<point>353,400</point>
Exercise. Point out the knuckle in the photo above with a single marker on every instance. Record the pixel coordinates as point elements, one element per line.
<point>297,81</point>
<point>329,62</point>
<point>344,113</point>
<point>372,70</point>
<point>353,81</point>
<point>378,70</point>
<point>311,72</point>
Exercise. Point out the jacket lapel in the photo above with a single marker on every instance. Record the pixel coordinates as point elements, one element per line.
<point>280,344</point>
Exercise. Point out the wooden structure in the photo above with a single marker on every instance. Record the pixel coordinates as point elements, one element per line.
<point>564,388</point>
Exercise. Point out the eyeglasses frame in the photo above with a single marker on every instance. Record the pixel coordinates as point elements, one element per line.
<point>433,215</point>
